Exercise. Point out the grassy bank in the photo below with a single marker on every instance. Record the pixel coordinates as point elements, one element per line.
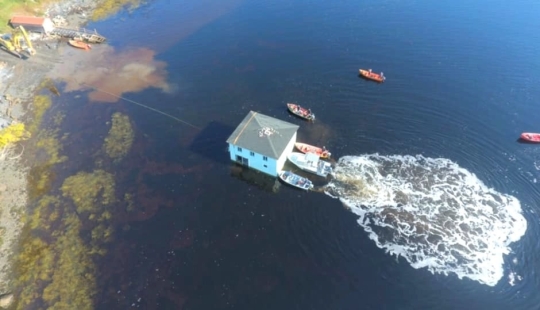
<point>103,9</point>
<point>110,7</point>
<point>11,7</point>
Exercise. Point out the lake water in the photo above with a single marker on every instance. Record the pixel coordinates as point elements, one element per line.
<point>442,199</point>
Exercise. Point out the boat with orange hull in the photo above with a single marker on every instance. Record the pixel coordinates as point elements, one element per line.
<point>531,137</point>
<point>368,74</point>
<point>79,44</point>
<point>306,148</point>
<point>300,111</point>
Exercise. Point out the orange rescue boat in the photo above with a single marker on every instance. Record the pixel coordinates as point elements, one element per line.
<point>531,137</point>
<point>306,148</point>
<point>377,77</point>
<point>79,44</point>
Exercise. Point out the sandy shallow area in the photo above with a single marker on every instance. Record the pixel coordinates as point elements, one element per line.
<point>12,202</point>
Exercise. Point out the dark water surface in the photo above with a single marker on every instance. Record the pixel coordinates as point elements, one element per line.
<point>462,84</point>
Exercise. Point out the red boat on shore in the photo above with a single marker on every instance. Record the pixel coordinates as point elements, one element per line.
<point>306,148</point>
<point>377,77</point>
<point>531,137</point>
<point>79,44</point>
<point>301,112</point>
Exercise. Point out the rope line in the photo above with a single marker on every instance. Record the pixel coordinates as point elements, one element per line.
<point>142,105</point>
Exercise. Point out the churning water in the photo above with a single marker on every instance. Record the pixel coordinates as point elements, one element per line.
<point>431,212</point>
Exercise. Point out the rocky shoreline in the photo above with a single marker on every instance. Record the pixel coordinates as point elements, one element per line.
<point>20,80</point>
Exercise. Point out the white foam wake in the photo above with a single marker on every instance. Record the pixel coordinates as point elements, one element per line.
<point>432,212</point>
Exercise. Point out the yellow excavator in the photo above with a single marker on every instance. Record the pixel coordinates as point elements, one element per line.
<point>8,46</point>
<point>13,44</point>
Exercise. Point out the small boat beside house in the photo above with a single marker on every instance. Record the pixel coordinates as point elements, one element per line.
<point>306,148</point>
<point>311,163</point>
<point>531,137</point>
<point>301,112</point>
<point>79,44</point>
<point>377,77</point>
<point>295,180</point>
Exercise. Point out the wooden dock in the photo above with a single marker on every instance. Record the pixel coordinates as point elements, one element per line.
<point>80,33</point>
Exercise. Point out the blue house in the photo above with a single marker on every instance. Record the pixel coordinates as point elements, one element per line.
<point>262,143</point>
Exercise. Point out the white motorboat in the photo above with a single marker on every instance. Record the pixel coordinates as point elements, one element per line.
<point>310,162</point>
<point>295,180</point>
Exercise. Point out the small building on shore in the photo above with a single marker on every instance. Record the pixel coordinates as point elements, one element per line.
<point>262,143</point>
<point>33,24</point>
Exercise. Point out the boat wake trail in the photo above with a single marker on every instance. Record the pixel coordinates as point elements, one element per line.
<point>432,212</point>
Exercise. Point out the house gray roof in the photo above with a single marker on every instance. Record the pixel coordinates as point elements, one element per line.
<point>263,134</point>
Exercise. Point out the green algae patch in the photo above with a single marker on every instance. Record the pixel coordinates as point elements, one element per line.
<point>49,143</point>
<point>41,176</point>
<point>57,274</point>
<point>46,148</point>
<point>63,235</point>
<point>73,283</point>
<point>92,193</point>
<point>108,8</point>
<point>40,105</point>
<point>128,199</point>
<point>88,188</point>
<point>13,134</point>
<point>58,118</point>
<point>45,215</point>
<point>120,137</point>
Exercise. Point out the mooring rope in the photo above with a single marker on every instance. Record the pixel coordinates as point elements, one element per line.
<point>141,105</point>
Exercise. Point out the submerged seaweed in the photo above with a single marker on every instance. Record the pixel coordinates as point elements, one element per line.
<point>66,229</point>
<point>120,137</point>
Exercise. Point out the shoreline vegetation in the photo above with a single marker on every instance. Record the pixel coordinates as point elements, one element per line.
<point>51,235</point>
<point>93,10</point>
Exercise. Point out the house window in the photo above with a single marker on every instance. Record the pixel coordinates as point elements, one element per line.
<point>265,166</point>
<point>265,158</point>
<point>239,149</point>
<point>251,153</point>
